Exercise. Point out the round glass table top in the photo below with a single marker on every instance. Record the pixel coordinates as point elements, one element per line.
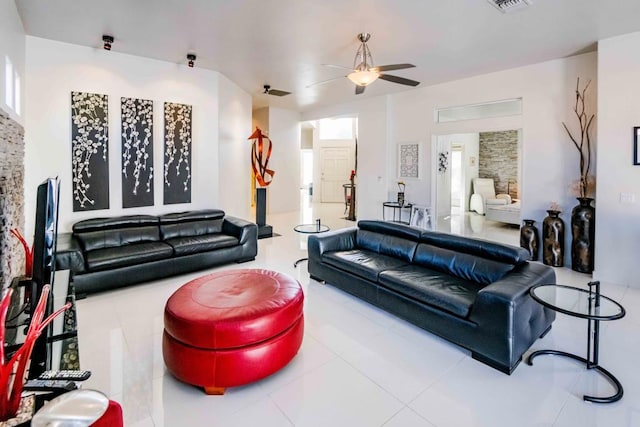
<point>311,228</point>
<point>577,302</point>
<point>396,205</point>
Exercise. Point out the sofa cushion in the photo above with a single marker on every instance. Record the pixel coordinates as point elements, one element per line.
<point>196,244</point>
<point>392,229</point>
<point>448,293</point>
<point>191,223</point>
<point>123,256</point>
<point>113,238</point>
<point>397,247</point>
<point>465,266</point>
<point>489,250</point>
<point>362,262</point>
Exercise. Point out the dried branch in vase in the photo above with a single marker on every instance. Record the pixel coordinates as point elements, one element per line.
<point>583,141</point>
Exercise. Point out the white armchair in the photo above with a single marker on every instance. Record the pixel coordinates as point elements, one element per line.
<point>484,194</point>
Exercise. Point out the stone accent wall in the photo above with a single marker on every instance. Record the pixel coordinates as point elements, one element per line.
<point>11,198</point>
<point>498,159</point>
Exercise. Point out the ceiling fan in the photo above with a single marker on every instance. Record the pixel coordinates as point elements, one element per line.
<point>364,73</point>
<point>275,92</point>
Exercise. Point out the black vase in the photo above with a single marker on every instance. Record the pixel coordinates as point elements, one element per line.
<point>529,238</point>
<point>583,231</point>
<point>553,239</point>
<point>401,198</point>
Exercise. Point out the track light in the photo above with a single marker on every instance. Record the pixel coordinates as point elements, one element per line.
<point>192,58</point>
<point>108,41</point>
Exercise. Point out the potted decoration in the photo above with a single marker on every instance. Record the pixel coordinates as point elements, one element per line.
<point>13,369</point>
<point>583,215</point>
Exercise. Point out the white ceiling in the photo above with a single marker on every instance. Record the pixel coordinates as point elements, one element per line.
<point>284,42</point>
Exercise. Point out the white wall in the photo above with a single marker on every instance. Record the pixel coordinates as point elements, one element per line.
<point>284,132</point>
<point>12,45</point>
<point>617,224</point>
<point>55,69</point>
<point>550,161</point>
<point>234,149</point>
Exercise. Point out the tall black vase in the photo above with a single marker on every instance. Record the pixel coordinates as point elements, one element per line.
<point>529,238</point>
<point>583,231</point>
<point>553,239</point>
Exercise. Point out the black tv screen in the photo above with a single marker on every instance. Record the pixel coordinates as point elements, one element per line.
<point>45,234</point>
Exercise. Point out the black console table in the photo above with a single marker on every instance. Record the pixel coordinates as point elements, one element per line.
<point>586,304</point>
<point>397,211</point>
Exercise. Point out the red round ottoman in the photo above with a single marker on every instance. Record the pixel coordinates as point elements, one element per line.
<point>233,327</point>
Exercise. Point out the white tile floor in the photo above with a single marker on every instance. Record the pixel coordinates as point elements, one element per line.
<point>359,366</point>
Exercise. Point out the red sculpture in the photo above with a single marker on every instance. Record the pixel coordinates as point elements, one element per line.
<point>260,153</point>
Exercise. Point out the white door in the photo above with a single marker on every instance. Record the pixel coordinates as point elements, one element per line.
<point>335,167</point>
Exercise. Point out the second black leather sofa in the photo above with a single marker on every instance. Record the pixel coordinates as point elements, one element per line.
<point>107,253</point>
<point>471,292</point>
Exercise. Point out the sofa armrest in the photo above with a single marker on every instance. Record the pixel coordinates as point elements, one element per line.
<point>69,255</point>
<point>243,230</point>
<point>508,319</point>
<point>495,304</point>
<point>339,240</point>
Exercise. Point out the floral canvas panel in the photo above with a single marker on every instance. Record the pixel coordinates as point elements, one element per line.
<point>177,153</point>
<point>90,151</point>
<point>137,152</point>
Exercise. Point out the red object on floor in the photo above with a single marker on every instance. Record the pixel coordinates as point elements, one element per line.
<point>112,416</point>
<point>233,327</point>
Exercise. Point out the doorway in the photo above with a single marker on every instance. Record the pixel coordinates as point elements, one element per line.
<point>331,144</point>
<point>457,160</point>
<point>458,193</point>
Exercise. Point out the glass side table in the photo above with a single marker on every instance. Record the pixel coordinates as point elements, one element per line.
<point>397,209</point>
<point>309,229</point>
<point>585,304</point>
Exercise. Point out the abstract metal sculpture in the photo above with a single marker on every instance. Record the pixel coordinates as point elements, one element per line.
<point>260,154</point>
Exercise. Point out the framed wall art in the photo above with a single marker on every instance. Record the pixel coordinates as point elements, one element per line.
<point>137,152</point>
<point>177,153</point>
<point>636,149</point>
<point>421,217</point>
<point>409,160</point>
<point>90,151</point>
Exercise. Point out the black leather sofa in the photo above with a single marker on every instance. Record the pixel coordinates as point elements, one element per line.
<point>471,292</point>
<point>108,253</point>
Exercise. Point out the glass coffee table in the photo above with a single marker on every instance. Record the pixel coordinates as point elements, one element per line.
<point>586,304</point>
<point>314,228</point>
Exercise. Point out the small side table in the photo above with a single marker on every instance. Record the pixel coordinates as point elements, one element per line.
<point>397,211</point>
<point>309,229</point>
<point>585,304</point>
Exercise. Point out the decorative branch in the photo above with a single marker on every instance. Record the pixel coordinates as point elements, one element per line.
<point>583,143</point>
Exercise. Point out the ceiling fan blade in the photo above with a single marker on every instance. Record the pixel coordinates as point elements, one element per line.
<point>326,81</point>
<point>338,66</point>
<point>391,67</point>
<point>400,80</point>
<point>277,92</point>
<point>360,89</point>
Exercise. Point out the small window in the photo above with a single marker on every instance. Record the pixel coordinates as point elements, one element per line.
<point>8,82</point>
<point>16,93</point>
<point>509,107</point>
<point>341,128</point>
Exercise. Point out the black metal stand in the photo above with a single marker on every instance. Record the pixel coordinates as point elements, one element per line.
<point>593,349</point>
<point>295,264</point>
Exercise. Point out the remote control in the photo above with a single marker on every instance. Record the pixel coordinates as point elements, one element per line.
<point>49,385</point>
<point>65,375</point>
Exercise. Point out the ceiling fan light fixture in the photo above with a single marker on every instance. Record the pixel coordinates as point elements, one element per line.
<point>363,77</point>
